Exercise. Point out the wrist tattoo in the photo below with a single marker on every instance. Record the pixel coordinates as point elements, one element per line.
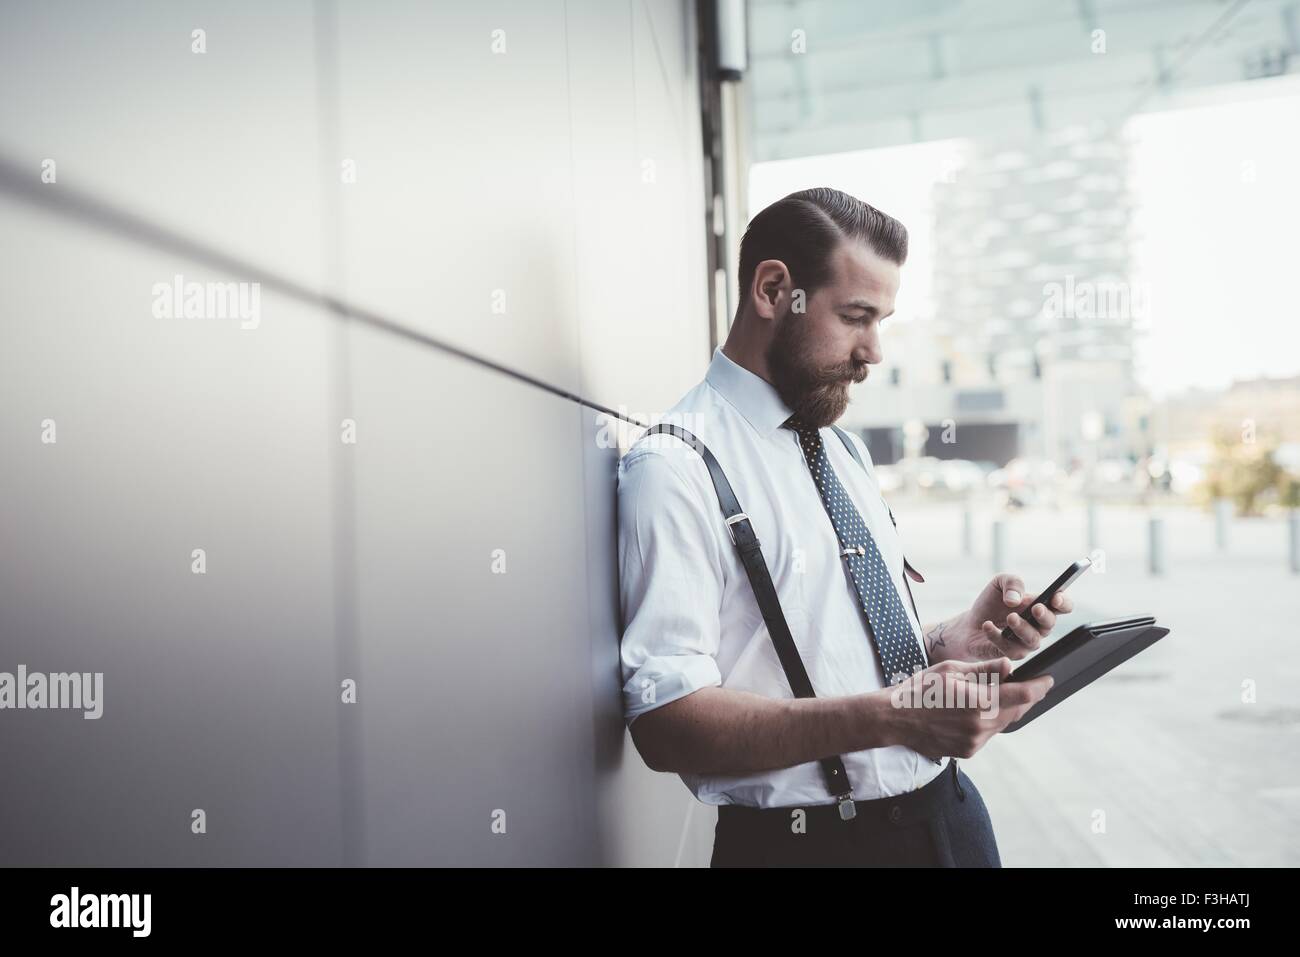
<point>935,637</point>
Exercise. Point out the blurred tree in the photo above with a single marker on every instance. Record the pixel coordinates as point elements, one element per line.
<point>1245,472</point>
<point>1288,490</point>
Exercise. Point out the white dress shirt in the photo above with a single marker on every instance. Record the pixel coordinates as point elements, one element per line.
<point>691,619</point>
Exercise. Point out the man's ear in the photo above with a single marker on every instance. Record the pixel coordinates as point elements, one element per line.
<point>771,284</point>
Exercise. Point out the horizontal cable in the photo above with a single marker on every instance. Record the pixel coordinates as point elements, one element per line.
<point>69,203</point>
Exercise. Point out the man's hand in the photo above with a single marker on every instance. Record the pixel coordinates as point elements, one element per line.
<point>953,708</point>
<point>976,634</point>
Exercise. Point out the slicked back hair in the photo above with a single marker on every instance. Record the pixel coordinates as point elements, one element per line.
<point>804,229</point>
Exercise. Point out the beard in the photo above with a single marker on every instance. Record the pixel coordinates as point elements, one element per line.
<point>817,396</point>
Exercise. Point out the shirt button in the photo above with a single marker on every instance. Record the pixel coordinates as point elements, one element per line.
<point>895,813</point>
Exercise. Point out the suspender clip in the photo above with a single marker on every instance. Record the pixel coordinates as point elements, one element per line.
<point>848,810</point>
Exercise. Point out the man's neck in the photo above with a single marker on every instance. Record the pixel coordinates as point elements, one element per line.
<point>746,355</point>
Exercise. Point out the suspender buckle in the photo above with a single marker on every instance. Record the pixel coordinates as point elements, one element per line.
<point>738,517</point>
<point>848,810</point>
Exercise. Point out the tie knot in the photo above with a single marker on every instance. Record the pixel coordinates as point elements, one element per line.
<point>805,432</point>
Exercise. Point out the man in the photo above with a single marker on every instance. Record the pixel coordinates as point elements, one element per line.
<point>706,694</point>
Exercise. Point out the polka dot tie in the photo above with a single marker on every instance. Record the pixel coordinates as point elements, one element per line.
<point>887,622</point>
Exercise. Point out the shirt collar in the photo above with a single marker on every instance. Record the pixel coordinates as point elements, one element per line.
<point>752,395</point>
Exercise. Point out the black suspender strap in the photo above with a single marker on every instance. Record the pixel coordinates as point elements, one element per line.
<point>760,580</point>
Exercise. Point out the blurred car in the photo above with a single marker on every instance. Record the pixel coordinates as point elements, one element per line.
<point>961,475</point>
<point>1114,472</point>
<point>1026,481</point>
<point>934,476</point>
<point>925,472</point>
<point>889,478</point>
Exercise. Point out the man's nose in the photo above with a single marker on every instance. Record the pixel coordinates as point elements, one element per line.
<point>868,351</point>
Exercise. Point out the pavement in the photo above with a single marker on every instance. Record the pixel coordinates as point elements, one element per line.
<point>1184,755</point>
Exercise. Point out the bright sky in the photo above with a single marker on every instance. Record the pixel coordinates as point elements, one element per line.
<point>1215,236</point>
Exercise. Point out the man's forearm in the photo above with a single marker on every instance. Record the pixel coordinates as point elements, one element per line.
<point>723,731</point>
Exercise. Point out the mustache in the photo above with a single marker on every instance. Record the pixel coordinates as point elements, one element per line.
<point>839,374</point>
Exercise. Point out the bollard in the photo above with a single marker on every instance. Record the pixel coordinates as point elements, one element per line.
<point>1222,513</point>
<point>1293,520</point>
<point>1156,543</point>
<point>998,544</point>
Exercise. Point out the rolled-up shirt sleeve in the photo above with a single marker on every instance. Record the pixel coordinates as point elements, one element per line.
<point>671,581</point>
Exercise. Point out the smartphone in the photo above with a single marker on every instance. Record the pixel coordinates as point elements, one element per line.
<point>1064,581</point>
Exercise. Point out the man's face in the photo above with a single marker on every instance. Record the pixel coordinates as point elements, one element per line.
<point>814,357</point>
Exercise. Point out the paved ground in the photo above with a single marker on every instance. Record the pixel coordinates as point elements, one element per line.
<point>1184,772</point>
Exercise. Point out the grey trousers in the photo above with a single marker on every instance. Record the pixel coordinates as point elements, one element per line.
<point>943,824</point>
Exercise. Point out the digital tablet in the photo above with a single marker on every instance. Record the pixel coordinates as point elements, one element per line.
<point>1083,656</point>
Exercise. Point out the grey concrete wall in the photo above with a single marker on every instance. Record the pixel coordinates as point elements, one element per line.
<point>561,177</point>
